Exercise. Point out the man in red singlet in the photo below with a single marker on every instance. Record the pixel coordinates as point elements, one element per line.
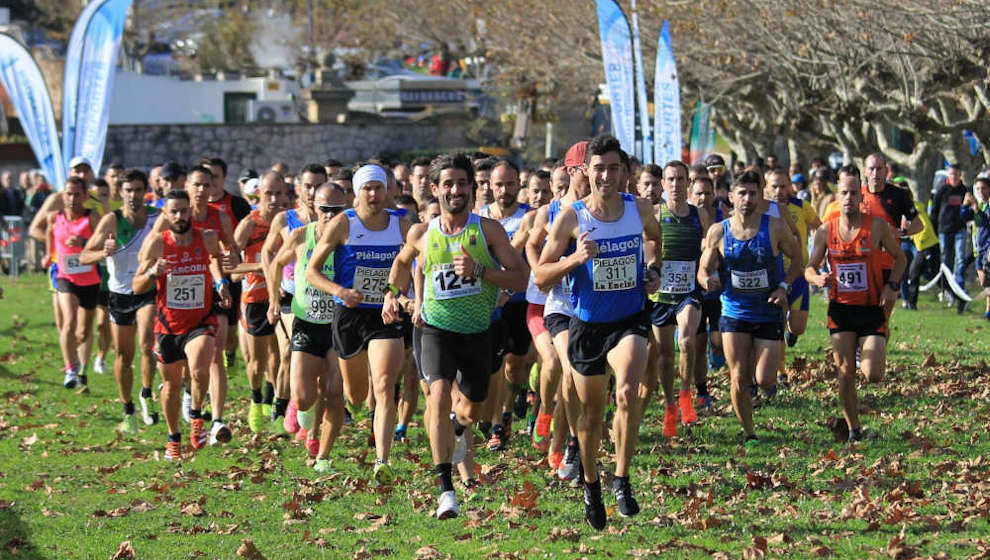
<point>858,291</point>
<point>183,264</point>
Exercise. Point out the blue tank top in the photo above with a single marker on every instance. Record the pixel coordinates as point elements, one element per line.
<point>363,262</point>
<point>559,298</point>
<point>511,225</point>
<point>609,287</point>
<point>751,271</point>
<point>288,283</point>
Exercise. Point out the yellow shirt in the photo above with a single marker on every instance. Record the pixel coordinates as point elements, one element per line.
<point>94,204</point>
<point>926,237</point>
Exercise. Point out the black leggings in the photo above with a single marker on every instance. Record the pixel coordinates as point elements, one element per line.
<point>925,263</point>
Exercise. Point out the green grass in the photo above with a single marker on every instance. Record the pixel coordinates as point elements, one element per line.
<point>71,488</point>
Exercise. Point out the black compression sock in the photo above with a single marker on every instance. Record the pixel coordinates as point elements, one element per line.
<point>175,437</point>
<point>269,393</point>
<point>280,406</point>
<point>256,396</point>
<point>458,429</point>
<point>702,389</point>
<point>506,418</point>
<point>195,413</point>
<point>129,408</point>
<point>146,392</point>
<point>444,471</point>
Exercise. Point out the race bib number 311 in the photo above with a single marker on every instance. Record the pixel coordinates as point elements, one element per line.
<point>614,273</point>
<point>186,291</point>
<point>750,281</point>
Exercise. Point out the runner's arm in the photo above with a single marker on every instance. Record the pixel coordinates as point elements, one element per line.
<point>538,233</point>
<point>334,234</point>
<point>215,250</point>
<point>148,267</point>
<point>94,251</point>
<point>817,258</point>
<point>240,238</point>
<point>710,256</point>
<point>550,268</point>
<point>789,245</point>
<point>399,275</point>
<point>228,247</point>
<point>39,225</point>
<point>282,257</point>
<point>275,238</point>
<point>514,273</point>
<point>651,231</point>
<point>885,235</point>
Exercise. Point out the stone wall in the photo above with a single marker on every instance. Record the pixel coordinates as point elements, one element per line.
<point>259,145</point>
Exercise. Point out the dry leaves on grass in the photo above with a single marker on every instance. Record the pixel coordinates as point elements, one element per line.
<point>124,552</point>
<point>249,551</point>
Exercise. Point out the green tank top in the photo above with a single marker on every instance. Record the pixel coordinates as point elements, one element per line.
<point>309,303</point>
<point>450,302</point>
<point>681,251</point>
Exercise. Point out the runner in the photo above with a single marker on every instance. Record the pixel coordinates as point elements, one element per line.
<point>746,250</point>
<point>282,287</point>
<point>77,284</point>
<point>858,292</point>
<point>677,304</point>
<point>180,264</point>
<point>609,327</point>
<point>459,252</point>
<point>102,202</point>
<point>317,388</point>
<point>118,239</point>
<point>482,178</point>
<point>364,242</point>
<point>703,196</point>
<point>510,334</point>
<point>257,333</point>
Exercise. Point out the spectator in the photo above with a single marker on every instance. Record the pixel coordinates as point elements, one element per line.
<point>800,186</point>
<point>821,192</point>
<point>11,196</point>
<point>36,195</point>
<point>949,219</point>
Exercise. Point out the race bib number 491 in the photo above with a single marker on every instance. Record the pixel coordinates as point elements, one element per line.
<point>850,277</point>
<point>614,273</point>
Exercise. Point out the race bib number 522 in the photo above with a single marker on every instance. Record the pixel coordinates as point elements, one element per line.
<point>750,281</point>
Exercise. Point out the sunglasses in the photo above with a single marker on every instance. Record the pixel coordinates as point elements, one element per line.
<point>716,168</point>
<point>331,209</point>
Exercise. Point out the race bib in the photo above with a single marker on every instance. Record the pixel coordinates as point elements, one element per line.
<point>319,306</point>
<point>850,277</point>
<point>448,285</point>
<point>186,291</point>
<point>70,265</point>
<point>611,274</point>
<point>751,281</point>
<point>677,277</point>
<point>372,283</point>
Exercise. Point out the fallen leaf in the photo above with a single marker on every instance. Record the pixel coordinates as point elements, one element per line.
<point>249,551</point>
<point>124,552</point>
<point>193,509</point>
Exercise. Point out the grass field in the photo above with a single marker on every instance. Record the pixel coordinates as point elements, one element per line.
<point>71,488</point>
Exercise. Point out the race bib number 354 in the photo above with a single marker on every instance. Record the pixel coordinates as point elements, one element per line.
<point>614,273</point>
<point>677,277</point>
<point>186,291</point>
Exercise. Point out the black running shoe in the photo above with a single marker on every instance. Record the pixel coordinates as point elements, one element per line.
<point>594,509</point>
<point>628,506</point>
<point>791,339</point>
<point>519,405</point>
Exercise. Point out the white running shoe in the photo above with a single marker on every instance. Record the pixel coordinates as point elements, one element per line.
<point>447,505</point>
<point>219,433</point>
<point>129,425</point>
<point>148,414</point>
<point>99,365</point>
<point>186,406</point>
<point>71,379</point>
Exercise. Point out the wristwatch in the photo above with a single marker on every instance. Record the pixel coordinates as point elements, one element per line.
<point>392,288</point>
<point>783,284</point>
<point>896,286</point>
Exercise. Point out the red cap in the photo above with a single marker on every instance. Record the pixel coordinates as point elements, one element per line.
<point>575,154</point>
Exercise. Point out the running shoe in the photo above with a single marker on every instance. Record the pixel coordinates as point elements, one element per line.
<point>770,393</point>
<point>312,447</point>
<point>71,379</point>
<point>986,315</point>
<point>571,465</point>
<point>219,433</point>
<point>129,425</point>
<point>229,358</point>
<point>305,418</point>
<point>628,506</point>
<point>688,415</point>
<point>594,509</point>
<point>322,466</point>
<point>148,414</point>
<point>348,417</point>
<point>266,409</point>
<point>556,457</point>
<point>669,421</point>
<point>256,418</point>
<point>447,505</point>
<point>291,422</point>
<point>541,435</point>
<point>400,434</point>
<point>716,359</point>
<point>498,440</point>
<point>791,338</point>
<point>704,402</point>
<point>383,473</point>
<point>534,378</point>
<point>752,442</point>
<point>530,424</point>
<point>197,435</point>
<point>99,365</point>
<point>519,405</point>
<point>173,451</point>
<point>186,406</point>
<point>302,434</point>
<point>855,434</point>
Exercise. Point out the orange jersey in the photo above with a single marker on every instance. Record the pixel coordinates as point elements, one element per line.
<point>255,288</point>
<point>856,266</point>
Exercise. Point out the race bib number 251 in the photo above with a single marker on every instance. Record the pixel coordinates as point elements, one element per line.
<point>186,291</point>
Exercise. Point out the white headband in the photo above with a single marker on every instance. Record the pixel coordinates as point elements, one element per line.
<point>367,174</point>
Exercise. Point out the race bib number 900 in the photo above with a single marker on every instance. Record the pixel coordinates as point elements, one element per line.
<point>750,281</point>
<point>186,291</point>
<point>677,277</point>
<point>372,283</point>
<point>448,285</point>
<point>612,274</point>
<point>850,277</point>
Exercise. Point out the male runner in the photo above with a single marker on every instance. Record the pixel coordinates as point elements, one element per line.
<point>77,284</point>
<point>102,201</point>
<point>858,292</point>
<point>317,388</point>
<point>607,280</point>
<point>703,197</point>
<point>180,264</point>
<point>258,334</point>
<point>118,239</point>
<point>678,301</point>
<point>364,242</point>
<point>419,179</point>
<point>746,249</point>
<point>460,253</point>
<point>511,336</point>
<point>482,178</point>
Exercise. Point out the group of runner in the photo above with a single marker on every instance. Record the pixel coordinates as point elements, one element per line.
<point>567,292</point>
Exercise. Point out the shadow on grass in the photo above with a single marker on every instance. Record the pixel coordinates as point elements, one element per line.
<point>15,537</point>
<point>5,372</point>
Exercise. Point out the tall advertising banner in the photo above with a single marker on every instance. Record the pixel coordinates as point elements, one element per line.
<point>28,93</point>
<point>646,151</point>
<point>666,102</point>
<point>70,82</point>
<point>702,133</point>
<point>617,57</point>
<point>101,43</point>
